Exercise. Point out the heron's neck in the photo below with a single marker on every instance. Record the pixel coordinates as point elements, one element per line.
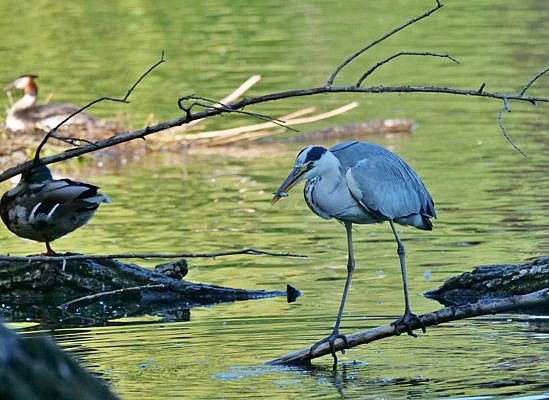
<point>330,170</point>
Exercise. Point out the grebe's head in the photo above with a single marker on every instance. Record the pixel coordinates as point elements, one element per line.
<point>25,83</point>
<point>307,163</point>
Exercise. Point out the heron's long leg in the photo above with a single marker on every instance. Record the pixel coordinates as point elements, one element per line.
<point>408,317</point>
<point>350,270</point>
<point>402,255</point>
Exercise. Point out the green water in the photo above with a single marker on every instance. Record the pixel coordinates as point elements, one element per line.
<point>492,203</point>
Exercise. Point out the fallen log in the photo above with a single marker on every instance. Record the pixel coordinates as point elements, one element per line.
<point>489,289</point>
<point>494,281</point>
<point>482,307</point>
<point>79,291</point>
<point>35,368</point>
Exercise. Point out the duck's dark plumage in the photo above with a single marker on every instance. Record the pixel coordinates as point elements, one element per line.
<point>44,209</point>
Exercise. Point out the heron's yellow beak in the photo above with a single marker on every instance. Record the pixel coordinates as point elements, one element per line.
<point>295,176</point>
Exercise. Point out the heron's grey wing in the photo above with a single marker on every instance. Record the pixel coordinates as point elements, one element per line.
<point>387,186</point>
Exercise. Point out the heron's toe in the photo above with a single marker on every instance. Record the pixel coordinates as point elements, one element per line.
<point>331,339</point>
<point>407,323</point>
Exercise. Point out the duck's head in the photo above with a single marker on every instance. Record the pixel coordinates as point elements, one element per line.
<point>37,174</point>
<point>308,163</point>
<point>25,83</point>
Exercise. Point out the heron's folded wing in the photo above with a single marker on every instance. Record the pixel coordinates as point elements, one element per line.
<point>386,185</point>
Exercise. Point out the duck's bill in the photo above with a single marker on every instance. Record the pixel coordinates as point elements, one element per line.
<point>288,183</point>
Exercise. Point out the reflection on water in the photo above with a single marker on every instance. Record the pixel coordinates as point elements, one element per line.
<point>492,204</point>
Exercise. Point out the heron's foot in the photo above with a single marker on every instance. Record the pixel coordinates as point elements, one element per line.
<point>408,320</point>
<point>331,341</point>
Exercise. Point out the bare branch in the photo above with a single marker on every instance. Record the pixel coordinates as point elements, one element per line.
<point>382,38</point>
<point>447,314</point>
<point>250,251</point>
<point>402,53</point>
<point>105,98</point>
<point>231,107</point>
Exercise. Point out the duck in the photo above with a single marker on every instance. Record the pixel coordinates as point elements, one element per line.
<point>43,209</point>
<point>26,115</point>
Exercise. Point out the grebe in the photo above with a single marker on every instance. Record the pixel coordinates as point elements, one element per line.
<point>26,115</point>
<point>43,209</point>
<point>362,183</point>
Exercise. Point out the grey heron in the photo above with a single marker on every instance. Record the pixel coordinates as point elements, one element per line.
<point>362,183</point>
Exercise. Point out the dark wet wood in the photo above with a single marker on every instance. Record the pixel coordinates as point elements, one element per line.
<point>36,369</point>
<point>494,281</point>
<point>89,292</point>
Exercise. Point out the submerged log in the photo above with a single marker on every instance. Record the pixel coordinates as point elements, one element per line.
<point>494,281</point>
<point>91,291</point>
<point>35,368</point>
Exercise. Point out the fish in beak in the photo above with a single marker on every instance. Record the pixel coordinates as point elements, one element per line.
<point>295,176</point>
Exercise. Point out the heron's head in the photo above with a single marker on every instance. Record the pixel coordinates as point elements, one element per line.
<point>25,83</point>
<point>307,163</point>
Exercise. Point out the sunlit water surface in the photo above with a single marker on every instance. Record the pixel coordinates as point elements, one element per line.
<point>492,203</point>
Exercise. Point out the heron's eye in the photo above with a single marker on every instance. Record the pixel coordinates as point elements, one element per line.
<point>310,165</point>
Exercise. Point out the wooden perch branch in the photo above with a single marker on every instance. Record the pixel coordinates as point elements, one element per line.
<point>483,307</point>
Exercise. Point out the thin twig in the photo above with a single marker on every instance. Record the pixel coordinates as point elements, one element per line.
<point>402,53</point>
<point>96,296</point>
<point>105,98</point>
<point>507,108</point>
<point>227,108</point>
<point>250,251</point>
<point>235,94</point>
<point>532,80</point>
<point>447,314</point>
<point>382,38</point>
<point>72,141</point>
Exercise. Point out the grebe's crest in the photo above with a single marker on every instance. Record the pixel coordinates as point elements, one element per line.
<point>24,82</point>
